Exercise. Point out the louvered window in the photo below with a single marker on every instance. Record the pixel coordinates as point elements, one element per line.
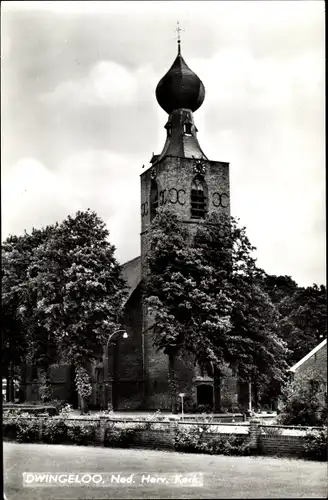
<point>198,198</point>
<point>187,128</point>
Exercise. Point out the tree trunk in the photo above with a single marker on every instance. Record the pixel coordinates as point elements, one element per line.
<point>82,406</point>
<point>256,396</point>
<point>10,382</point>
<point>172,383</point>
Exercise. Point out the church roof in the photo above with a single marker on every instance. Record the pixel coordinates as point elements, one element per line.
<point>131,271</point>
<point>308,356</point>
<point>178,143</point>
<point>180,88</point>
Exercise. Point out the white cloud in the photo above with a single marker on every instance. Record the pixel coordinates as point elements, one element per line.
<point>262,64</point>
<point>32,196</point>
<point>107,84</point>
<point>99,180</point>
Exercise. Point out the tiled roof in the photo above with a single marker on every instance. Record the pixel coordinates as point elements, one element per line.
<point>131,271</point>
<point>308,356</point>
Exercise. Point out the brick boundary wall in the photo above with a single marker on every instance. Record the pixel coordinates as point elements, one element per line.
<point>289,446</point>
<point>162,435</point>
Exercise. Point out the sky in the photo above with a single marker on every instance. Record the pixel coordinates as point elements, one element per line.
<point>79,117</point>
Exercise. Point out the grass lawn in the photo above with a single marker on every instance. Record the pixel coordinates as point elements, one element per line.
<point>224,477</point>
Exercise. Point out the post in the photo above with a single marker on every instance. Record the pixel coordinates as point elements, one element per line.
<point>108,388</point>
<point>182,394</point>
<point>106,376</point>
<point>254,433</point>
<point>102,430</point>
<point>250,397</point>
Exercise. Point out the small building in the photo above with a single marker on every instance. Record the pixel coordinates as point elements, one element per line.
<point>313,367</point>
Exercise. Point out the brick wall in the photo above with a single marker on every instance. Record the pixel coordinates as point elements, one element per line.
<point>281,445</point>
<point>159,438</point>
<point>127,359</point>
<point>162,435</point>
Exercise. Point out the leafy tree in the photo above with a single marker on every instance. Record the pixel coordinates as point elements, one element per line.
<point>304,320</point>
<point>253,345</point>
<point>303,312</point>
<point>304,402</point>
<point>18,307</point>
<point>171,291</point>
<point>80,291</point>
<point>204,294</point>
<point>278,287</point>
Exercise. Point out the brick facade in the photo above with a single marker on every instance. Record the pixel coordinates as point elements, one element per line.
<point>314,365</point>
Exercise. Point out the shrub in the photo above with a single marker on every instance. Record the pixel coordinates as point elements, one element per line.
<point>303,404</point>
<point>65,411</point>
<point>199,440</point>
<point>27,428</point>
<point>82,432</point>
<point>9,428</point>
<point>272,431</point>
<point>44,387</point>
<point>203,409</point>
<point>54,431</point>
<point>315,446</point>
<point>118,435</point>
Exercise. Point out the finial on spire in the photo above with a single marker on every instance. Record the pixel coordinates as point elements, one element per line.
<point>178,30</point>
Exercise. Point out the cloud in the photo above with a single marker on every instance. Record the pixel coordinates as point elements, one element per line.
<point>107,84</point>
<point>79,82</point>
<point>32,196</point>
<point>105,182</point>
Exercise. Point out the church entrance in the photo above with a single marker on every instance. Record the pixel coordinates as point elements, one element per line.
<point>205,395</point>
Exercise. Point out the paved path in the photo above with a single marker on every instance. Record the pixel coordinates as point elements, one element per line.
<point>224,477</point>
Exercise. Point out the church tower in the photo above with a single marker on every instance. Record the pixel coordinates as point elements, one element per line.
<point>184,178</point>
<point>181,175</point>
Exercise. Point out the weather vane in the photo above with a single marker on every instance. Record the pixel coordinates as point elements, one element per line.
<point>178,30</point>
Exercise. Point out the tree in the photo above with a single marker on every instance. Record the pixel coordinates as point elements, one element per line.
<point>18,307</point>
<point>278,287</point>
<point>252,346</point>
<point>303,312</point>
<point>204,294</point>
<point>304,402</point>
<point>80,291</point>
<point>303,324</point>
<point>169,287</point>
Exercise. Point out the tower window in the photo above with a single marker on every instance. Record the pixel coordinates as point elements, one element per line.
<point>187,128</point>
<point>153,199</point>
<point>198,198</point>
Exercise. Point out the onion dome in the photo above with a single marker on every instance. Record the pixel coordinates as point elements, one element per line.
<point>180,88</point>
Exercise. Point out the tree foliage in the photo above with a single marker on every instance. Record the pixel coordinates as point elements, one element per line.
<point>19,325</point>
<point>204,294</point>
<point>79,286</point>
<point>62,293</point>
<point>304,402</point>
<point>303,314</point>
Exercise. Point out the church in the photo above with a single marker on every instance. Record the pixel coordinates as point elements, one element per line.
<point>133,374</point>
<point>183,177</point>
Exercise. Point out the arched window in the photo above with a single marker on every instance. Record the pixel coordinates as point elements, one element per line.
<point>153,199</point>
<point>198,198</point>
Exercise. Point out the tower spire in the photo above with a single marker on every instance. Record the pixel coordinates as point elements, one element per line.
<point>178,30</point>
